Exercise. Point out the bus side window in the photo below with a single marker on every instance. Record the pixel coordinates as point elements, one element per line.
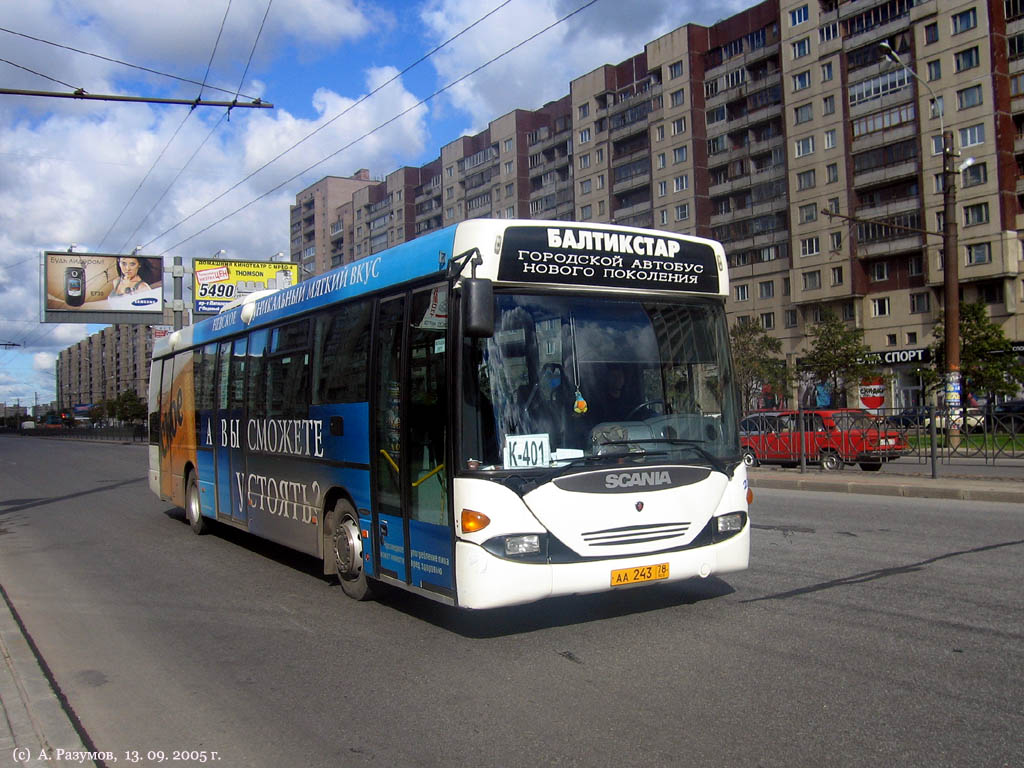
<point>287,371</point>
<point>256,388</point>
<point>341,355</point>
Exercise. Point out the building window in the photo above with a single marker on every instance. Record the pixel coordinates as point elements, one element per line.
<point>663,217</point>
<point>659,133</point>
<point>681,183</point>
<point>808,213</point>
<point>600,181</point>
<point>979,253</point>
<point>965,20</point>
<point>920,303</point>
<point>812,280</point>
<point>678,126</point>
<point>768,320</point>
<point>828,105</point>
<point>805,180</point>
<point>809,246</point>
<point>931,33</point>
<point>790,318</point>
<point>802,80</point>
<point>675,70</point>
<point>915,265</point>
<point>803,113</point>
<point>766,289</point>
<point>832,173</point>
<point>972,135</point>
<point>585,186</point>
<point>974,175</point>
<point>586,212</point>
<point>679,155</point>
<point>991,293</point>
<point>682,212</point>
<point>785,286</point>
<point>975,214</point>
<point>804,146</point>
<point>584,136</point>
<point>801,48</point>
<point>890,339</point>
<point>849,313</point>
<point>937,109</point>
<point>508,145</point>
<point>599,155</point>
<point>934,70</point>
<point>659,161</point>
<point>826,72</point>
<point>966,59</point>
<point>585,161</point>
<point>828,32</point>
<point>830,138</point>
<point>837,275</point>
<point>662,188</point>
<point>880,307</point>
<point>880,271</point>
<point>968,97</point>
<point>836,241</point>
<point>678,98</point>
<point>742,292</point>
<point>508,166</point>
<point>911,338</point>
<point>798,16</point>
<point>584,110</point>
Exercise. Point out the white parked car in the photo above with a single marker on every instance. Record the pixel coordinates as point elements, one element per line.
<point>973,418</point>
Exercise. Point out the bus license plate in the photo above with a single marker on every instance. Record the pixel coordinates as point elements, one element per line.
<point>640,573</point>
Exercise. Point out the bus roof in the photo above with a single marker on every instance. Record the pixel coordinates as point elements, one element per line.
<point>514,251</point>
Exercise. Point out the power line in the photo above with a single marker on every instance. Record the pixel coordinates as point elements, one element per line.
<point>386,123</point>
<point>177,130</point>
<point>328,122</point>
<point>83,96</point>
<point>118,61</point>
<point>40,74</point>
<point>213,130</point>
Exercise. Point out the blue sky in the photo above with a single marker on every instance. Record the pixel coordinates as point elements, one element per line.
<point>76,172</point>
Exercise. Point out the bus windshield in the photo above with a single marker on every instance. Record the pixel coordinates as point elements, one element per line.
<point>570,378</point>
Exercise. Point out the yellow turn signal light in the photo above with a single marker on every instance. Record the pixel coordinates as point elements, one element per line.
<point>750,496</point>
<point>474,521</point>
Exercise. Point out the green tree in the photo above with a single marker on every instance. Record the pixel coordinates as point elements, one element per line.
<point>986,364</point>
<point>758,362</point>
<point>838,357</point>
<point>129,407</point>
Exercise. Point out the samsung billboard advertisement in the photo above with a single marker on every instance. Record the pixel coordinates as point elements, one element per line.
<point>101,288</point>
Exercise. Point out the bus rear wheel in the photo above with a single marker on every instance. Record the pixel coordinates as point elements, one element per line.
<point>347,549</point>
<point>193,510</point>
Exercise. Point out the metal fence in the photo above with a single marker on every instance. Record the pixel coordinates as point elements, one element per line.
<point>928,434</point>
<point>123,434</point>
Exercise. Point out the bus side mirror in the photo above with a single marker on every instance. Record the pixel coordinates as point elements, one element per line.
<point>478,307</point>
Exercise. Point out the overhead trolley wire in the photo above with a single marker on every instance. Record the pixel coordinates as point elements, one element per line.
<point>338,116</point>
<point>202,144</point>
<point>386,123</point>
<point>121,63</point>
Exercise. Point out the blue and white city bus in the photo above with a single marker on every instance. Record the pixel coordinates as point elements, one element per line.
<point>494,413</point>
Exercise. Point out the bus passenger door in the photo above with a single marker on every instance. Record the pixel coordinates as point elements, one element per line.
<point>413,526</point>
<point>230,405</point>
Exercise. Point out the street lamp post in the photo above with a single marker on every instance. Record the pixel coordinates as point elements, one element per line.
<point>950,262</point>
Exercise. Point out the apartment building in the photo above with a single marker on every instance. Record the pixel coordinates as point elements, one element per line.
<point>786,132</point>
<point>315,233</point>
<point>105,364</point>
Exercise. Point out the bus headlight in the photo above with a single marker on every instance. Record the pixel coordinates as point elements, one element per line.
<point>730,523</point>
<point>527,544</point>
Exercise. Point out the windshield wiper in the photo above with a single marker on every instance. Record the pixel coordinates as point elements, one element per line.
<point>715,462</point>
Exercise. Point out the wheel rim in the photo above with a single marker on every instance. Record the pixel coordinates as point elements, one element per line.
<point>348,550</point>
<point>831,461</point>
<point>748,458</point>
<point>193,505</point>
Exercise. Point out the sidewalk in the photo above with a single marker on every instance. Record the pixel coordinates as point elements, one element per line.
<point>34,728</point>
<point>852,480</point>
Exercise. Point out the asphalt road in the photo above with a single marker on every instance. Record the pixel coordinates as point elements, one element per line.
<point>868,631</point>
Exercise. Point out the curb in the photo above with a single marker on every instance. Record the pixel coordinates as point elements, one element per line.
<point>963,490</point>
<point>34,727</point>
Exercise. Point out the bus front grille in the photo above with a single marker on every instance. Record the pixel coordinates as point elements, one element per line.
<point>635,534</point>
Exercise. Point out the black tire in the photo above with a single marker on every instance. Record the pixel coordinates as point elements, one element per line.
<point>193,511</point>
<point>868,466</point>
<point>750,458</point>
<point>347,551</point>
<point>831,462</point>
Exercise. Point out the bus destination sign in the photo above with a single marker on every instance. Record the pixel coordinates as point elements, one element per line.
<point>612,258</point>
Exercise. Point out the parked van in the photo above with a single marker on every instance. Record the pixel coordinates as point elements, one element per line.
<point>832,438</point>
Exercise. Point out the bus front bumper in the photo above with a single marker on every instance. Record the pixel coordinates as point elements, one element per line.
<point>486,581</point>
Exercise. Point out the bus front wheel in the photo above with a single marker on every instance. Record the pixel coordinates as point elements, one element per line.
<point>347,547</point>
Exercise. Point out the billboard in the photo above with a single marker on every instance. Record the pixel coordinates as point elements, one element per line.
<point>101,288</point>
<point>216,282</point>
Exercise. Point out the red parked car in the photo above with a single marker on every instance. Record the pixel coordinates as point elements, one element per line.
<point>832,438</point>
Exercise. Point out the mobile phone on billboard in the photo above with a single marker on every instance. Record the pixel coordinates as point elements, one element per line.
<point>74,286</point>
